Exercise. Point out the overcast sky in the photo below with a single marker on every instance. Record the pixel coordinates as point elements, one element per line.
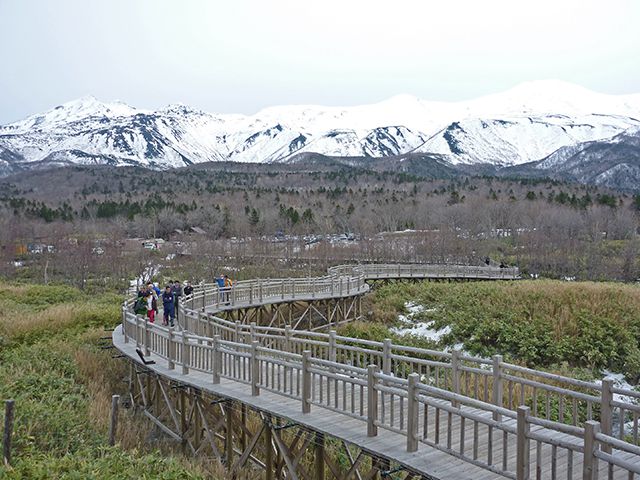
<point>240,56</point>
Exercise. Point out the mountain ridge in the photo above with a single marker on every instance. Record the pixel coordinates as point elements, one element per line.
<point>524,124</point>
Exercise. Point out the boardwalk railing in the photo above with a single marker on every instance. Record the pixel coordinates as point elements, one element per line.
<point>473,408</point>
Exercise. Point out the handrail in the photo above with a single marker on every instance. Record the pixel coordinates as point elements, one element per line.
<point>490,392</point>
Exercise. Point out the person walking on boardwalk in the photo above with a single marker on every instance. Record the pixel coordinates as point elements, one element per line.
<point>168,306</point>
<point>188,289</point>
<point>177,293</point>
<point>228,283</point>
<point>152,305</point>
<point>220,283</point>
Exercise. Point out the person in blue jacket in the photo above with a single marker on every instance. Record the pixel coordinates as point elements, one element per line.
<point>169,306</point>
<point>220,282</point>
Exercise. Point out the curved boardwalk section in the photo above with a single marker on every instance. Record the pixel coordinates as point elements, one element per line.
<point>388,407</point>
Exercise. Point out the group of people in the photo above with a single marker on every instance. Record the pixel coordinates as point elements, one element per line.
<point>150,295</point>
<point>224,287</point>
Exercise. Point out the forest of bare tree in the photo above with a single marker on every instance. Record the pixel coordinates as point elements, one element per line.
<point>91,222</point>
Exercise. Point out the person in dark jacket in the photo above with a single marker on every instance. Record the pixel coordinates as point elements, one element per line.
<point>188,289</point>
<point>169,306</point>
<point>177,293</point>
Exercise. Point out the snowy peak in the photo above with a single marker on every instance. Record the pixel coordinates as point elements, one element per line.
<point>73,111</point>
<point>554,97</point>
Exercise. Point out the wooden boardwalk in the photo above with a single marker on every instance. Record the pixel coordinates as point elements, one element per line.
<point>440,414</point>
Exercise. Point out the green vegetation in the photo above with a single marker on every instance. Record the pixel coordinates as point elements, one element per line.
<point>50,363</point>
<point>547,324</point>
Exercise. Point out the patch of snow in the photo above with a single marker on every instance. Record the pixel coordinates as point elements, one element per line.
<point>420,329</point>
<point>424,330</point>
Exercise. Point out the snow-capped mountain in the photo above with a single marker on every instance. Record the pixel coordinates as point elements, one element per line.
<point>524,124</point>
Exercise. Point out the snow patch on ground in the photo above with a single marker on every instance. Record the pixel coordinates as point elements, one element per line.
<point>620,382</point>
<point>420,328</point>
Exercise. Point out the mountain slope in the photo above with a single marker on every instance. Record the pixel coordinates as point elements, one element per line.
<point>613,162</point>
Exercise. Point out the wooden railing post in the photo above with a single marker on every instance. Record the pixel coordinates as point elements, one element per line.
<point>255,369</point>
<point>171,347</point>
<point>606,410</point>
<point>497,385</point>
<point>522,450</point>
<point>260,290</point>
<point>287,338</point>
<point>372,401</point>
<point>185,353</point>
<point>282,288</point>
<point>236,333</point>
<point>332,346</point>
<point>412,413</point>
<point>455,375</point>
<point>217,360</point>
<point>147,348</point>
<point>124,323</point>
<point>386,356</point>
<point>306,382</point>
<point>589,461</point>
<point>137,319</point>
<point>252,332</point>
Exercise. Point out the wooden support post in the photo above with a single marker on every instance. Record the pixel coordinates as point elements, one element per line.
<point>372,401</point>
<point>412,413</point>
<point>455,375</point>
<point>589,460</point>
<point>306,382</point>
<point>268,451</point>
<point>183,416</point>
<point>171,346</point>
<point>243,431</point>
<point>228,449</point>
<point>252,332</point>
<point>522,450</point>
<point>255,369</point>
<point>606,410</point>
<point>318,457</point>
<point>9,407</point>
<point>217,360</point>
<point>113,424</point>
<point>497,385</point>
<point>185,353</point>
